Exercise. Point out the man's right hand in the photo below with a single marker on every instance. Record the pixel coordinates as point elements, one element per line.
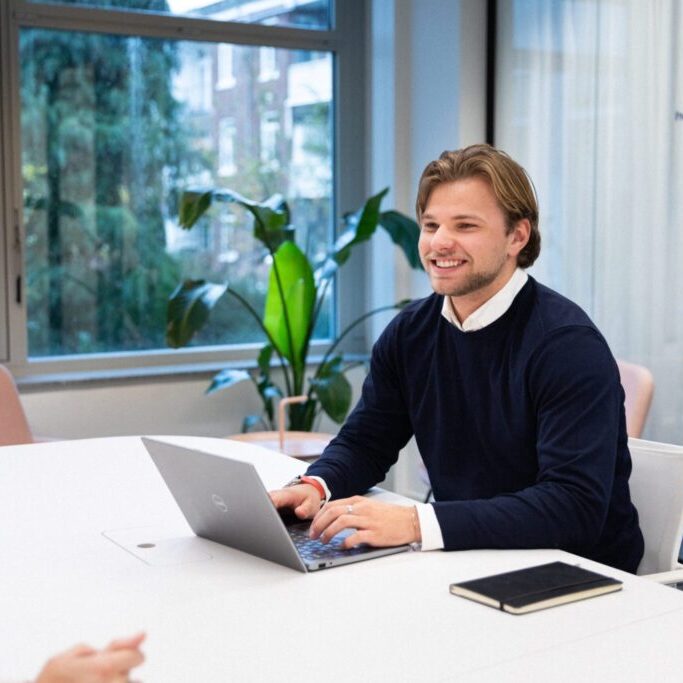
<point>304,499</point>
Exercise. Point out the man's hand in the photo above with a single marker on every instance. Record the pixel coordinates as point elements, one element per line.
<point>378,524</point>
<point>83,664</point>
<point>304,499</point>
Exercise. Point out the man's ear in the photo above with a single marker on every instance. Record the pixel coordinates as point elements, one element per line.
<point>519,236</point>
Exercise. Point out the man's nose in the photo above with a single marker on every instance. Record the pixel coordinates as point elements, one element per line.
<point>442,239</point>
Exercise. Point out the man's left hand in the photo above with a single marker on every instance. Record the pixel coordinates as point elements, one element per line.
<point>378,524</point>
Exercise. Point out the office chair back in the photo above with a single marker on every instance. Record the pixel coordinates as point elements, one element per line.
<point>657,492</point>
<point>14,427</point>
<point>639,385</point>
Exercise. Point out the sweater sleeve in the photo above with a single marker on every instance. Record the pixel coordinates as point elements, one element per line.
<point>373,435</point>
<point>576,401</point>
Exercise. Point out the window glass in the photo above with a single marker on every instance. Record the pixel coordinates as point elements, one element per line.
<point>309,14</point>
<point>113,128</point>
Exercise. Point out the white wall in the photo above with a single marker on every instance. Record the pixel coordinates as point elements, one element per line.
<point>428,94</point>
<point>159,406</point>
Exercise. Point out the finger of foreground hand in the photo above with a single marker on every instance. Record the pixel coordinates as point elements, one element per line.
<point>119,661</point>
<point>80,650</point>
<point>131,642</point>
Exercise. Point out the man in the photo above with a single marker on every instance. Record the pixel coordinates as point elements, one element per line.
<point>510,390</point>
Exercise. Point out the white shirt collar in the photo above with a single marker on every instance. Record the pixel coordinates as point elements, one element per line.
<point>490,310</point>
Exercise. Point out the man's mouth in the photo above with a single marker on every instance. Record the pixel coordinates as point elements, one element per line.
<point>448,263</point>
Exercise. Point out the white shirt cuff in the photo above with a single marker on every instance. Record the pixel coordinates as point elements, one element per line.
<point>432,539</point>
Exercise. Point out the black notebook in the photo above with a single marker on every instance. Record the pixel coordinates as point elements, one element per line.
<point>534,588</point>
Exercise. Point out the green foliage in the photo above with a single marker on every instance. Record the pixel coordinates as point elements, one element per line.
<point>296,290</point>
<point>102,141</point>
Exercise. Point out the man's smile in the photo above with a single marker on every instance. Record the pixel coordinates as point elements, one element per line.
<point>442,263</point>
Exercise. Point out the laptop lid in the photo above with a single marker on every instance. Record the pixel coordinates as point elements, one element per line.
<point>225,501</point>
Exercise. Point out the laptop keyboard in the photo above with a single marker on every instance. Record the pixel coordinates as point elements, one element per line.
<point>311,549</point>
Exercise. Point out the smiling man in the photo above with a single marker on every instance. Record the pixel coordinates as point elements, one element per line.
<point>510,390</point>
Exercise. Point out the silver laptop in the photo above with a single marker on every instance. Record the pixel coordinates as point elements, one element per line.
<point>224,500</point>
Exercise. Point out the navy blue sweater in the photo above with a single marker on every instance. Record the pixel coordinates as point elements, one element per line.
<point>521,426</point>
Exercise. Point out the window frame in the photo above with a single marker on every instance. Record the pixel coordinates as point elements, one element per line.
<point>346,42</point>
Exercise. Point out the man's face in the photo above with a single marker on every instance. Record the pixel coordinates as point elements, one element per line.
<point>463,243</point>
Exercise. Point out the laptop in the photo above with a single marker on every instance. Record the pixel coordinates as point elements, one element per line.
<point>224,500</point>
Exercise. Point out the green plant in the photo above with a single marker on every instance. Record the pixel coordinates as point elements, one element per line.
<point>294,298</point>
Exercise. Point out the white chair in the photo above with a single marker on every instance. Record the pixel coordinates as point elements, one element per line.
<point>657,492</point>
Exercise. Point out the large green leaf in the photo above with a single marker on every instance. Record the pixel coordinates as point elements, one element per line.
<point>271,217</point>
<point>333,390</point>
<point>405,233</point>
<point>288,320</point>
<point>193,205</point>
<point>188,309</point>
<point>359,227</point>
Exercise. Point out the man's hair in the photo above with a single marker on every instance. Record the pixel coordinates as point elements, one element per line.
<point>510,183</point>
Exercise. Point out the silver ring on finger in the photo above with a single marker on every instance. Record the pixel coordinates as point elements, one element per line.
<point>349,509</point>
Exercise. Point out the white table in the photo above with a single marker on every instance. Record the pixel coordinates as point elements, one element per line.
<point>215,614</point>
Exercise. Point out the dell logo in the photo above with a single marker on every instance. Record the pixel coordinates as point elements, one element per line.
<point>219,502</point>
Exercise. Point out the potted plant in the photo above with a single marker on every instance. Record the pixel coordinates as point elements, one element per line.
<point>296,289</point>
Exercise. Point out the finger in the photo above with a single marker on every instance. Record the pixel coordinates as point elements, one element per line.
<point>119,661</point>
<point>283,498</point>
<point>344,521</point>
<point>328,513</point>
<point>131,642</point>
<point>307,509</point>
<point>80,650</point>
<point>361,536</point>
<point>325,516</point>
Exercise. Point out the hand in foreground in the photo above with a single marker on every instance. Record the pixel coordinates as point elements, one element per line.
<point>304,499</point>
<point>379,524</point>
<point>84,664</point>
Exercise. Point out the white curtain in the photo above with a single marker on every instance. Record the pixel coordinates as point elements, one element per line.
<point>589,98</point>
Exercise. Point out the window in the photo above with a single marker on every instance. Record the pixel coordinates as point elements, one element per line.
<point>226,147</point>
<point>116,117</point>
<point>309,14</point>
<point>270,131</point>
<point>224,66</point>
<point>268,70</point>
<point>588,99</point>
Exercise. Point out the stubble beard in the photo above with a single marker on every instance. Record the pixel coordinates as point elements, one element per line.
<point>473,283</point>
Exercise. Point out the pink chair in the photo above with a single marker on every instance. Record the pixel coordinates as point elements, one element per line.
<point>639,385</point>
<point>14,427</point>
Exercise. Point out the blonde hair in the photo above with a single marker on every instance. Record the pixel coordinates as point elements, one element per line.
<point>510,183</point>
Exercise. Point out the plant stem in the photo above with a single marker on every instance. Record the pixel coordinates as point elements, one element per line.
<point>336,342</point>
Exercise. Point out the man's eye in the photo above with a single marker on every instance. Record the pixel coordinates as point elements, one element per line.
<point>429,226</point>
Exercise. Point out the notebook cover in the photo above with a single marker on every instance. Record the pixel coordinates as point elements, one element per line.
<point>538,587</point>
